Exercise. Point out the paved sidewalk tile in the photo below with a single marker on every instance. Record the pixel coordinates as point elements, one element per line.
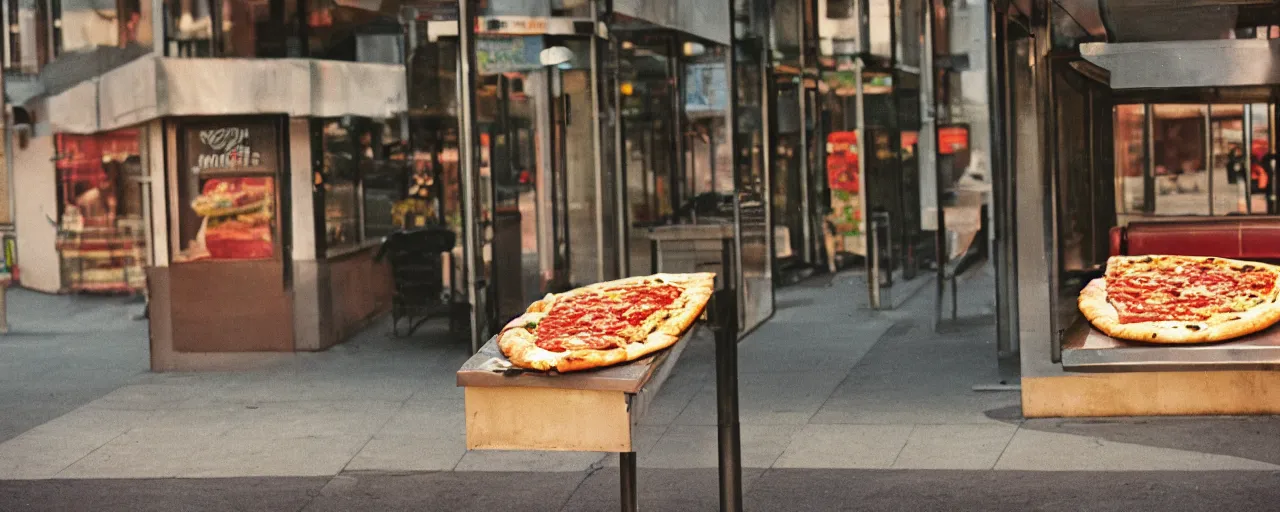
<point>954,446</point>
<point>676,394</point>
<point>502,460</point>
<point>448,492</point>
<point>309,456</point>
<point>1048,451</point>
<point>49,448</point>
<point>423,452</point>
<point>147,453</point>
<point>845,446</point>
<point>696,446</point>
<point>913,406</point>
<point>644,438</point>
<point>767,398</point>
<point>427,418</point>
<point>294,420</point>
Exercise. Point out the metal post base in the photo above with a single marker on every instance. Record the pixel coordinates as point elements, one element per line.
<point>627,481</point>
<point>725,323</point>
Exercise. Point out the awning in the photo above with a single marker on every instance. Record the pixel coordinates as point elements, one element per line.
<point>155,87</point>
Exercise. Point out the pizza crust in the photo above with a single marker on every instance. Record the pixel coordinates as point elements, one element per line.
<point>1221,327</point>
<point>518,341</point>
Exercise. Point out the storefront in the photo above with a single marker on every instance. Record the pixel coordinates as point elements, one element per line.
<point>869,117</point>
<point>102,241</point>
<point>253,226</point>
<point>586,140</point>
<point>1110,155</point>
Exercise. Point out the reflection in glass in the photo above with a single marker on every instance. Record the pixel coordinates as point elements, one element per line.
<point>748,162</point>
<point>1178,156</point>
<point>1231,169</point>
<point>648,134</point>
<point>101,237</point>
<point>1130,158</point>
<point>580,177</point>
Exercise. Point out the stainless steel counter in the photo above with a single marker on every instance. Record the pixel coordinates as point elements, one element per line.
<point>490,368</point>
<point>1085,349</point>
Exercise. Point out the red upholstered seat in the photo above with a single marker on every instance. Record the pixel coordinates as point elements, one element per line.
<point>1248,239</point>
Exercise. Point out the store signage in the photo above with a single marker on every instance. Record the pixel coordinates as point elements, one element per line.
<point>952,139</point>
<point>506,54</point>
<point>231,147</point>
<point>513,25</point>
<point>706,88</point>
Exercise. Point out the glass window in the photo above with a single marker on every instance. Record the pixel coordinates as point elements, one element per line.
<point>1178,156</point>
<point>354,31</point>
<point>227,190</point>
<point>28,35</point>
<point>101,237</point>
<point>233,28</point>
<point>383,185</point>
<point>1227,125</point>
<point>366,182</point>
<point>343,143</point>
<point>1194,159</point>
<point>85,24</point>
<point>1129,158</point>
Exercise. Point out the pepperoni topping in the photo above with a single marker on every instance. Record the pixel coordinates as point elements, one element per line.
<point>1180,289</point>
<point>600,319</point>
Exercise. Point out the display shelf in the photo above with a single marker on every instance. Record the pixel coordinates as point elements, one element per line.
<point>1086,349</point>
<point>101,260</point>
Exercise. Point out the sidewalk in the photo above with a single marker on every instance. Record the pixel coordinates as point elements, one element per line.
<point>63,352</point>
<point>838,402</point>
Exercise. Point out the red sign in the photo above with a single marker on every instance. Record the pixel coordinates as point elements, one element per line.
<point>842,161</point>
<point>952,140</point>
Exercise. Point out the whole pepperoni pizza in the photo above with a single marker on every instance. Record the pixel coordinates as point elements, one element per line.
<point>1182,299</point>
<point>606,323</point>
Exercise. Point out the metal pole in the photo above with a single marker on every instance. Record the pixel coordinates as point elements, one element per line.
<point>4,309</point>
<point>1010,365</point>
<point>929,75</point>
<point>467,153</point>
<point>806,212</point>
<point>622,209</point>
<point>873,263</point>
<point>768,139</point>
<point>654,265</point>
<point>627,481</point>
<point>597,137</point>
<point>1148,173</point>
<point>1248,158</point>
<point>1274,193</point>
<point>996,69</point>
<point>1208,151</point>
<point>724,305</point>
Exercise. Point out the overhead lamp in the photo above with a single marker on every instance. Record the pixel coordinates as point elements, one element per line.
<point>692,49</point>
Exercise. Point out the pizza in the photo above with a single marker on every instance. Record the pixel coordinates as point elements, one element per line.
<point>1182,299</point>
<point>606,323</point>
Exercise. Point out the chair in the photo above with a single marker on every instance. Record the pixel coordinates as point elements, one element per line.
<point>418,266</point>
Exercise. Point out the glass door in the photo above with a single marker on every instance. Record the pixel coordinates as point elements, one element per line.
<point>648,103</point>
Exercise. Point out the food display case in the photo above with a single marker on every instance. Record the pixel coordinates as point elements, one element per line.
<point>1086,172</point>
<point>101,240</point>
<point>226,288</point>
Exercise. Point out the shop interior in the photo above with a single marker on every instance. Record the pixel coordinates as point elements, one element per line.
<point>102,238</point>
<point>1140,162</point>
